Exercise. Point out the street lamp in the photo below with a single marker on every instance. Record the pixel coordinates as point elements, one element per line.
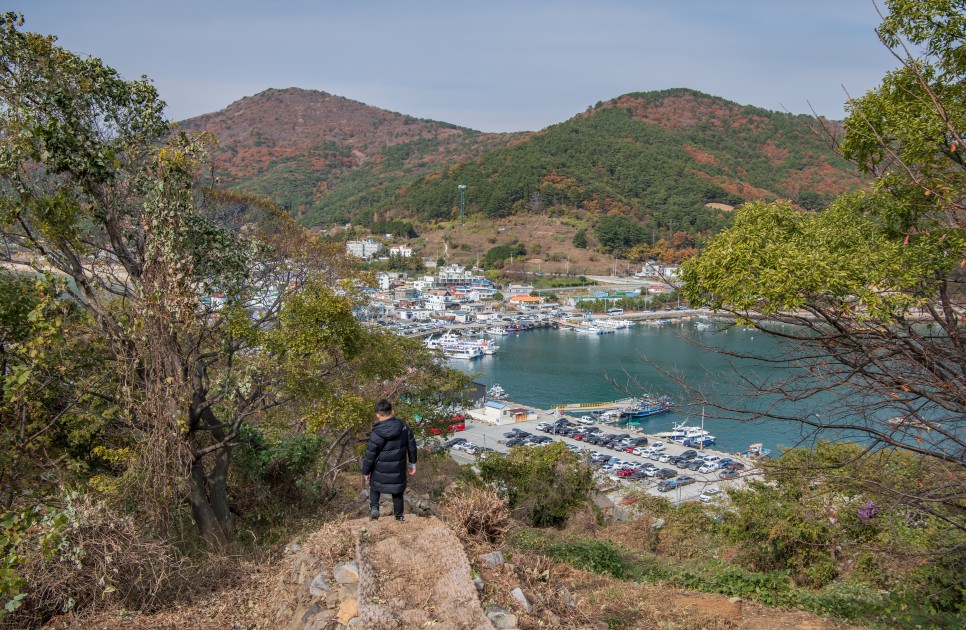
<point>462,188</point>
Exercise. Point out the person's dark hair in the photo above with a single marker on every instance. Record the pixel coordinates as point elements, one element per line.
<point>384,407</point>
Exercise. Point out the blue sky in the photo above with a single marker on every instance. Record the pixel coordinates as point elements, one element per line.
<point>489,65</point>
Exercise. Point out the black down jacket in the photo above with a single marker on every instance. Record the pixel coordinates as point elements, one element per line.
<point>389,443</point>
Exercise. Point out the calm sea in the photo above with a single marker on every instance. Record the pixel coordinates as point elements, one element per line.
<point>546,367</point>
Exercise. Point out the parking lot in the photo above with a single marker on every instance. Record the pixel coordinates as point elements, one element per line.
<point>491,436</point>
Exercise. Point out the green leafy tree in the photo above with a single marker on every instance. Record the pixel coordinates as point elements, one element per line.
<point>580,239</point>
<point>179,287</point>
<point>544,485</point>
<point>499,255</point>
<point>873,286</point>
<point>618,233</point>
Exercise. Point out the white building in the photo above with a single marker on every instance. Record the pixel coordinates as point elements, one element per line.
<point>400,251</point>
<point>456,274</point>
<point>652,269</point>
<point>363,249</point>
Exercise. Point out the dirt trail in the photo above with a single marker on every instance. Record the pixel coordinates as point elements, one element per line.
<point>415,574</point>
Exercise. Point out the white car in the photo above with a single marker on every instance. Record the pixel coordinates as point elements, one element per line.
<point>642,452</point>
<point>664,458</point>
<point>657,446</point>
<point>707,468</point>
<point>708,495</point>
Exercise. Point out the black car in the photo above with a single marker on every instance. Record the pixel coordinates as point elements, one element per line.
<point>454,442</point>
<point>684,480</point>
<point>694,464</point>
<point>515,442</point>
<point>639,475</point>
<point>666,473</point>
<point>689,454</point>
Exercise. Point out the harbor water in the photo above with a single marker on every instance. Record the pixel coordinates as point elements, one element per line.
<point>547,367</point>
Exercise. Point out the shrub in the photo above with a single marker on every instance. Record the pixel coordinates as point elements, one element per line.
<point>99,559</point>
<point>479,514</point>
<point>543,485</point>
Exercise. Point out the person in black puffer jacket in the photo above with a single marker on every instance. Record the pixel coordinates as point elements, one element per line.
<point>385,463</point>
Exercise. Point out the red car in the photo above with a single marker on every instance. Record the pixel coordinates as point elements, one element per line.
<point>625,472</point>
<point>458,424</point>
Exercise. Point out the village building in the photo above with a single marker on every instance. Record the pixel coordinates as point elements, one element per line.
<point>363,249</point>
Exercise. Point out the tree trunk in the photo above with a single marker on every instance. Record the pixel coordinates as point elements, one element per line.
<point>218,489</point>
<point>201,508</point>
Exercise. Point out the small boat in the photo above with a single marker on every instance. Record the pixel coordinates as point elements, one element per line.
<point>489,346</point>
<point>496,331</point>
<point>496,393</point>
<point>757,451</point>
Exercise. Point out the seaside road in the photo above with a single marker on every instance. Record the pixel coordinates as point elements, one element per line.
<point>491,436</point>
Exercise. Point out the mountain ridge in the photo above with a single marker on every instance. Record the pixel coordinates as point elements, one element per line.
<point>672,160</point>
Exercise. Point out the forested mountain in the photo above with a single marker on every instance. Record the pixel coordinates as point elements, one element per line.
<point>324,157</point>
<point>660,157</point>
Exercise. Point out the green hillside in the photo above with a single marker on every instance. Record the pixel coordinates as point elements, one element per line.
<point>658,157</point>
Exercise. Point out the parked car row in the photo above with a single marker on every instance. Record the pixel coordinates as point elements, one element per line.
<point>611,464</point>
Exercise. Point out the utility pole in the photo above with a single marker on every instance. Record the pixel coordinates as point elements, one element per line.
<point>462,188</point>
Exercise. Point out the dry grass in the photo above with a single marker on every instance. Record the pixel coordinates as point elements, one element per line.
<point>103,561</point>
<point>477,514</point>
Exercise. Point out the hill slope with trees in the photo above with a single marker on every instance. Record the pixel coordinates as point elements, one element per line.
<point>669,164</point>
<point>314,153</point>
<point>658,157</point>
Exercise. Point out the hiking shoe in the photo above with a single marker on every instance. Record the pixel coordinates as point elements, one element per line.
<point>399,518</point>
<point>373,515</point>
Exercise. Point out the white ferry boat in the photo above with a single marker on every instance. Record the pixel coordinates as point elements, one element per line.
<point>682,432</point>
<point>457,347</point>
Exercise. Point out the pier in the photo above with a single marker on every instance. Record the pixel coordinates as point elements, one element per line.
<point>595,406</point>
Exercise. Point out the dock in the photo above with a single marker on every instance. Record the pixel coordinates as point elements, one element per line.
<point>595,406</point>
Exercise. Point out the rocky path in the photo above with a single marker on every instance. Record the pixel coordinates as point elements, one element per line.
<point>415,574</point>
<point>410,574</point>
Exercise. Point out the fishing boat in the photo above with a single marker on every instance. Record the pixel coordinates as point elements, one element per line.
<point>757,451</point>
<point>496,331</point>
<point>643,408</point>
<point>496,393</point>
<point>488,346</point>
